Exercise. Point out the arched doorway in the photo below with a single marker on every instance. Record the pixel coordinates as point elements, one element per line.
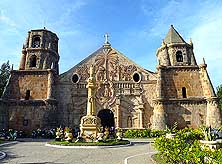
<point>107,118</point>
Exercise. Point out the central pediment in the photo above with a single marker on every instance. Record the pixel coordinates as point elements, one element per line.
<point>109,65</point>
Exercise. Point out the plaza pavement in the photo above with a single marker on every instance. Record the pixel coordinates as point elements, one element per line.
<point>35,152</point>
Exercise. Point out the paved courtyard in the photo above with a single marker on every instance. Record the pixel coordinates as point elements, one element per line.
<point>35,152</point>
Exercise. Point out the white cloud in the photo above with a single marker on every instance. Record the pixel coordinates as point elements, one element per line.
<point>68,12</point>
<point>200,21</point>
<point>207,38</point>
<point>6,20</point>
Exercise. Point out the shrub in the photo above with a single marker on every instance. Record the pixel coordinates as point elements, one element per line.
<point>186,149</point>
<point>143,133</point>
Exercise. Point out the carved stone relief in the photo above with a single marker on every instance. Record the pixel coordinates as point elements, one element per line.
<point>105,94</point>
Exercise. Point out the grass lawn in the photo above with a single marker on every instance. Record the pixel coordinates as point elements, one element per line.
<point>109,142</point>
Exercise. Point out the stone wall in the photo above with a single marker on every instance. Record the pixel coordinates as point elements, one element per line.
<point>187,113</point>
<point>73,100</point>
<point>32,114</point>
<point>21,81</point>
<point>174,79</point>
<point>122,86</point>
<point>3,115</point>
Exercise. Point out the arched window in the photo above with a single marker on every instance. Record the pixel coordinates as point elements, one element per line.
<point>36,42</point>
<point>179,56</point>
<point>33,61</point>
<point>184,92</point>
<point>27,95</point>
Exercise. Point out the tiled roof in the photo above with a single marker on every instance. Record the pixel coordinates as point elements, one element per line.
<point>173,36</point>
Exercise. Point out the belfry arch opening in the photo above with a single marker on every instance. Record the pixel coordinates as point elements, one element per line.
<point>179,56</point>
<point>107,118</point>
<point>36,42</point>
<point>184,92</point>
<point>33,61</point>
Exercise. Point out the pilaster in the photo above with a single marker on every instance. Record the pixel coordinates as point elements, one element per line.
<point>206,83</point>
<point>213,117</point>
<point>158,118</point>
<point>118,113</point>
<point>50,85</point>
<point>23,60</point>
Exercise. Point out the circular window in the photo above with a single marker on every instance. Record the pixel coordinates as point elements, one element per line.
<point>75,78</point>
<point>136,77</point>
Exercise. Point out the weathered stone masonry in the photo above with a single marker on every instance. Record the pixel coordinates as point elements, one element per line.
<point>179,91</point>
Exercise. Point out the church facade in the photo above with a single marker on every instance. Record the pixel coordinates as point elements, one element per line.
<point>127,95</point>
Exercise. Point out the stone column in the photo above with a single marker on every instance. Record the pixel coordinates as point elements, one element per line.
<point>207,85</point>
<point>90,123</point>
<point>213,117</point>
<point>159,89</point>
<point>141,119</point>
<point>23,60</point>
<point>91,105</point>
<point>50,84</point>
<point>158,118</point>
<point>118,115</point>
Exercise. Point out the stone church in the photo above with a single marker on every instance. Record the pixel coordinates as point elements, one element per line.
<point>127,95</point>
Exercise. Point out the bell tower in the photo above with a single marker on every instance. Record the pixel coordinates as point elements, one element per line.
<point>184,90</point>
<point>40,51</point>
<point>30,94</point>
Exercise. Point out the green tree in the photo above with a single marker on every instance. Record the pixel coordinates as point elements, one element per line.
<point>4,75</point>
<point>219,95</point>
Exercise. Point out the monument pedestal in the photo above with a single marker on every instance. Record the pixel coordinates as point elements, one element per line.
<point>89,127</point>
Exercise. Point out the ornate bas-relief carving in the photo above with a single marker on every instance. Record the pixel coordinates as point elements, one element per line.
<point>106,66</point>
<point>114,76</point>
<point>126,72</point>
<point>83,71</point>
<point>105,94</point>
<point>89,121</point>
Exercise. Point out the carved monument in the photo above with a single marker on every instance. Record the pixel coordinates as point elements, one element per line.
<point>90,123</point>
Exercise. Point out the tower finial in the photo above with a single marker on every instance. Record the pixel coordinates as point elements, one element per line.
<point>106,38</point>
<point>204,61</point>
<point>12,68</point>
<point>191,42</point>
<point>163,43</point>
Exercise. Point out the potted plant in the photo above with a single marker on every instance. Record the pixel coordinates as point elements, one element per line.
<point>170,131</point>
<point>68,134</point>
<point>59,134</point>
<point>210,138</point>
<point>119,134</point>
<point>106,133</point>
<point>100,137</point>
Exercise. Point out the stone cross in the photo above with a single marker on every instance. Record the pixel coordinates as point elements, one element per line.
<point>106,38</point>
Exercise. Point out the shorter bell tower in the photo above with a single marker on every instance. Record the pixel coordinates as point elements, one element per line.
<point>40,51</point>
<point>30,95</point>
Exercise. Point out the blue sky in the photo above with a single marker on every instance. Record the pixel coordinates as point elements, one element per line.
<point>136,28</point>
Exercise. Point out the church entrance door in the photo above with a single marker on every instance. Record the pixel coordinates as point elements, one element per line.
<point>107,118</point>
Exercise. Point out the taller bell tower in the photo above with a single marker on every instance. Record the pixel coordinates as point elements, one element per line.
<point>185,93</point>
<point>40,51</point>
